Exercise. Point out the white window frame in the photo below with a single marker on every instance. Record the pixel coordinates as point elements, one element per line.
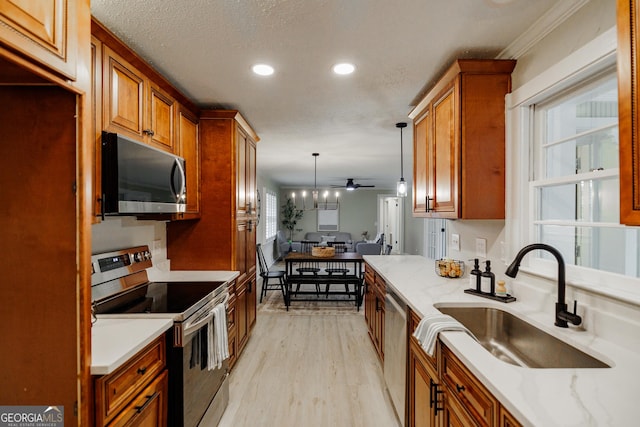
<point>586,62</point>
<point>270,214</point>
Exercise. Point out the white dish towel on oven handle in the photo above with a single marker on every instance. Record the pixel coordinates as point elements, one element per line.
<point>218,338</point>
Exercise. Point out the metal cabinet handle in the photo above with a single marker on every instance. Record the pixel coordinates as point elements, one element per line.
<point>139,409</point>
<point>427,202</point>
<point>148,132</point>
<point>249,208</point>
<point>460,388</point>
<point>142,371</point>
<point>433,397</point>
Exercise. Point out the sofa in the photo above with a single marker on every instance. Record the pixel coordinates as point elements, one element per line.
<point>282,242</point>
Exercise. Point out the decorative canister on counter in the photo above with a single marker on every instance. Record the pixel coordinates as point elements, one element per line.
<point>450,268</point>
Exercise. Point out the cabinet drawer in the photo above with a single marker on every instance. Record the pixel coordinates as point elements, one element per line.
<point>462,385</point>
<point>115,391</point>
<point>149,408</point>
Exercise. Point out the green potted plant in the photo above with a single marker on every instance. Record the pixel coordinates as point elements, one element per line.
<point>290,217</point>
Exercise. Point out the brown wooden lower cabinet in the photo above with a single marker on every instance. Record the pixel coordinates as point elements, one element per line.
<point>442,392</point>
<point>425,401</point>
<point>374,309</point>
<point>506,419</point>
<point>136,393</point>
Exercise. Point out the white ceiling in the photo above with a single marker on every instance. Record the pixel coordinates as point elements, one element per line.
<point>207,48</point>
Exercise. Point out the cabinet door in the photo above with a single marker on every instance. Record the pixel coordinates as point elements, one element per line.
<point>421,164</point>
<point>241,172</point>
<point>44,30</point>
<point>123,95</point>
<point>189,150</point>
<point>424,399</point>
<point>241,316</point>
<point>161,114</point>
<point>445,154</point>
<point>251,303</point>
<point>96,123</point>
<point>628,112</point>
<point>250,171</point>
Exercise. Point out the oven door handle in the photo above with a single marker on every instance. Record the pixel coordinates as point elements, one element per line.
<point>192,327</point>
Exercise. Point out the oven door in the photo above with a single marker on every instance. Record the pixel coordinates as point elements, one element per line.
<point>201,387</point>
<point>194,388</point>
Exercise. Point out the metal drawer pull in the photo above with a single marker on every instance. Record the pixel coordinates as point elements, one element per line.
<point>460,388</point>
<point>433,397</point>
<point>139,409</point>
<point>142,371</point>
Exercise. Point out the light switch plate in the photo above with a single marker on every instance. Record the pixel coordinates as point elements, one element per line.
<point>481,248</point>
<point>455,242</point>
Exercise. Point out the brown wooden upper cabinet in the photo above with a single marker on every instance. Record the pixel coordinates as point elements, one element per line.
<point>459,142</point>
<point>45,31</point>
<point>187,132</point>
<point>628,112</point>
<point>134,105</point>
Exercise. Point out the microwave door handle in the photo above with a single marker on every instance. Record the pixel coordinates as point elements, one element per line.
<point>179,193</point>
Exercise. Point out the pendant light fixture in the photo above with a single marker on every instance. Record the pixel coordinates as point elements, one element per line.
<point>401,188</point>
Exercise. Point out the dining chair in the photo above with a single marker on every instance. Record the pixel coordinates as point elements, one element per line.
<point>337,267</point>
<point>267,274</point>
<point>307,245</point>
<point>308,266</point>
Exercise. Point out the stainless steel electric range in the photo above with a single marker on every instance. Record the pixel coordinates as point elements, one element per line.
<point>120,288</point>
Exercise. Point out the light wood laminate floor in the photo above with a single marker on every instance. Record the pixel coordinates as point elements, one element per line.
<point>308,370</point>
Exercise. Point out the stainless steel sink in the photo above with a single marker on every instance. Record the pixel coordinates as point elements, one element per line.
<point>515,341</point>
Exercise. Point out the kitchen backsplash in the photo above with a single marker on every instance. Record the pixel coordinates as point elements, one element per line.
<point>124,232</point>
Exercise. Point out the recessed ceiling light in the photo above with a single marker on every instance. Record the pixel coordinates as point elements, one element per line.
<point>263,69</point>
<point>344,68</point>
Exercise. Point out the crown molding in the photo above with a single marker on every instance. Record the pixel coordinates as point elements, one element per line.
<point>548,22</point>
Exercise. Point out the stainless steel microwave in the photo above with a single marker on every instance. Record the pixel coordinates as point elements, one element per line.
<point>140,179</point>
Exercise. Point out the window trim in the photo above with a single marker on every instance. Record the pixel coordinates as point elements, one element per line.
<point>586,62</point>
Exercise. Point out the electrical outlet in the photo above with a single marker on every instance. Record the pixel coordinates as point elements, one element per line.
<point>455,242</point>
<point>481,248</point>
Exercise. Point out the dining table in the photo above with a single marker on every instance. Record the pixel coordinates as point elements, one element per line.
<point>354,277</point>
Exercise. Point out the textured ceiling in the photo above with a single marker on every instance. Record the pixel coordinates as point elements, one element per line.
<point>207,47</point>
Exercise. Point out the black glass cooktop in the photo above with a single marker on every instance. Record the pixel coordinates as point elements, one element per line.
<point>159,297</point>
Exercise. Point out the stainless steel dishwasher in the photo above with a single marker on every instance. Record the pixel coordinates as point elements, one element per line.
<point>395,351</point>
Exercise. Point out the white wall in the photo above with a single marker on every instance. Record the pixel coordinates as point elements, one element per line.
<point>358,211</point>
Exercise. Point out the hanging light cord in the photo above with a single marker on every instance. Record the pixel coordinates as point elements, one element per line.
<point>401,125</point>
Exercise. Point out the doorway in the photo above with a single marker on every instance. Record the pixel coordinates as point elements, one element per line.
<point>391,221</point>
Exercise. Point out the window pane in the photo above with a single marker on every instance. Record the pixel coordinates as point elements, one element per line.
<point>591,108</point>
<point>595,200</point>
<point>270,214</point>
<point>598,150</point>
<point>592,247</point>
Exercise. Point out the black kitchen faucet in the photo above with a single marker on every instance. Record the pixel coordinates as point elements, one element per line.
<point>562,315</point>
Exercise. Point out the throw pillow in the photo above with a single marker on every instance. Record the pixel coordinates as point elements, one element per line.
<point>325,239</point>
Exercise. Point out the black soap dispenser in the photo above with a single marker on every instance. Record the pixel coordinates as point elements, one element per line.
<point>488,280</point>
<point>474,275</point>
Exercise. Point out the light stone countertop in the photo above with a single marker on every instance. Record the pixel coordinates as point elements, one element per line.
<point>114,341</point>
<point>536,397</point>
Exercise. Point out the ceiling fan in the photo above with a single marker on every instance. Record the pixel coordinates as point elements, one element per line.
<point>350,186</point>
